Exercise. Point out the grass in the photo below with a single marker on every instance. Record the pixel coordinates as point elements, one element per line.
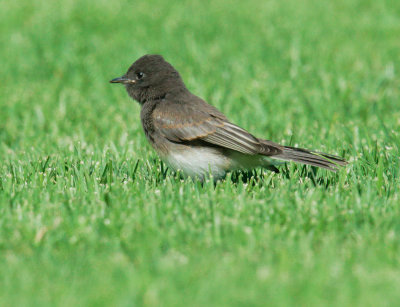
<point>89,216</point>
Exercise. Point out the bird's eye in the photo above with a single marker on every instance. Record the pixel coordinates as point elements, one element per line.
<point>139,75</point>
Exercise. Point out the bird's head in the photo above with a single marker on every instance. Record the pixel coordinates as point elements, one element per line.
<point>150,77</point>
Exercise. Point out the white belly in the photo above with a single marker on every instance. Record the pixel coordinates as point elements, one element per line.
<point>199,162</point>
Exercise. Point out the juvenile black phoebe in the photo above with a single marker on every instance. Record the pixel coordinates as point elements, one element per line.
<point>193,136</point>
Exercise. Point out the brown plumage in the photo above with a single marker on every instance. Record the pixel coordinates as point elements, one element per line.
<point>193,136</point>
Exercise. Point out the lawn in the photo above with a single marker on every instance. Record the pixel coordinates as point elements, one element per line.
<point>89,215</point>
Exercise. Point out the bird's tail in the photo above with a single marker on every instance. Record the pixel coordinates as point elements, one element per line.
<point>313,158</point>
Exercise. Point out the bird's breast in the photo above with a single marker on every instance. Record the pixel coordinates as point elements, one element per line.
<point>196,161</point>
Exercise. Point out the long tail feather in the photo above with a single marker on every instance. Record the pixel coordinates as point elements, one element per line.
<point>305,156</point>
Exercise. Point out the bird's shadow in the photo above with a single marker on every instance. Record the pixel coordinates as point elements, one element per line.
<point>246,176</point>
<point>315,174</point>
<point>256,177</point>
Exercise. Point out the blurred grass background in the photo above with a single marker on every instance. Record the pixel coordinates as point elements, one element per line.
<point>90,216</point>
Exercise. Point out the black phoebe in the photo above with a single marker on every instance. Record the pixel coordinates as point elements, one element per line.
<point>193,136</point>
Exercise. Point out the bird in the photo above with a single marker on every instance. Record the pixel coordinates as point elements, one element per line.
<point>195,138</point>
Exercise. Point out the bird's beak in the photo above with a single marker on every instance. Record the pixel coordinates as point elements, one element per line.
<point>123,80</point>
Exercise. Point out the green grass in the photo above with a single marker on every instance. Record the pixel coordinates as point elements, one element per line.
<point>89,216</point>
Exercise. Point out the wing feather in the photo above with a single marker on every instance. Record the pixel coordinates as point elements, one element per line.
<point>185,123</point>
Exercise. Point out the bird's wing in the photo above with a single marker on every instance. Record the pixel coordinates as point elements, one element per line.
<point>187,123</point>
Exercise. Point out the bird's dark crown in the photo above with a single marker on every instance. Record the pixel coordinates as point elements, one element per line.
<point>150,78</point>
